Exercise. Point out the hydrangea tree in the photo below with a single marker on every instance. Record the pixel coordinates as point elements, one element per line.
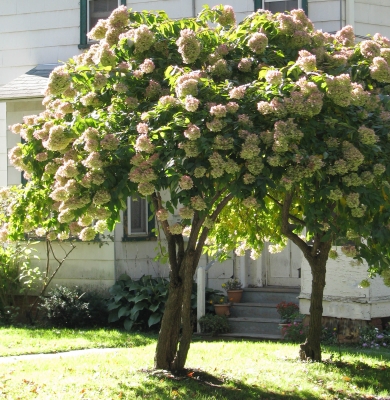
<point>268,120</point>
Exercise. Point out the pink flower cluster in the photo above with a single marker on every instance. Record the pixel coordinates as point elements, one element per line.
<point>185,182</point>
<point>346,36</point>
<point>192,132</point>
<point>162,214</point>
<point>227,16</point>
<point>143,38</point>
<point>189,46</point>
<point>339,89</point>
<point>191,103</point>
<point>218,111</point>
<point>306,61</point>
<point>258,42</point>
<point>198,203</point>
<point>380,70</point>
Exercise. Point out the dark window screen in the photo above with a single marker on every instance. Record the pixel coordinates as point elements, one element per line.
<point>100,9</point>
<point>281,6</point>
<point>138,215</point>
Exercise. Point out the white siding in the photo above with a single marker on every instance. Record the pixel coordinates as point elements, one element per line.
<point>3,144</point>
<point>343,298</point>
<point>16,110</point>
<point>326,14</point>
<point>36,32</point>
<point>372,16</point>
<point>90,265</point>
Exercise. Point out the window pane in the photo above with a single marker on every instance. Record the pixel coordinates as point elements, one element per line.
<point>281,6</point>
<point>100,9</point>
<point>138,215</point>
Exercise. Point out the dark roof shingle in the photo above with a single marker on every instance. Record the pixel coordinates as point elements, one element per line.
<point>29,85</point>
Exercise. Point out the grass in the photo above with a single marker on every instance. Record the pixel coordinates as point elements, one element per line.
<point>15,341</point>
<point>215,370</point>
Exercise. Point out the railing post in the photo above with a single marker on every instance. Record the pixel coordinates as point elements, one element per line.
<point>201,292</point>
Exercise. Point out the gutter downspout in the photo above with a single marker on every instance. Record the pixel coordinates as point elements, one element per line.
<point>194,8</point>
<point>350,12</point>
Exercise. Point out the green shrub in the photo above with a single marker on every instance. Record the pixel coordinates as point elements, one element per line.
<point>214,324</point>
<point>295,331</point>
<point>138,303</point>
<point>371,337</point>
<point>14,262</point>
<point>74,308</point>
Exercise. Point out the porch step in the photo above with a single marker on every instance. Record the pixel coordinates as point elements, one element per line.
<point>270,294</point>
<point>254,325</point>
<point>256,316</point>
<point>254,310</point>
<point>255,336</point>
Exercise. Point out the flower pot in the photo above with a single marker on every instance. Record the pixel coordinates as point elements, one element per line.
<point>234,296</point>
<point>222,309</point>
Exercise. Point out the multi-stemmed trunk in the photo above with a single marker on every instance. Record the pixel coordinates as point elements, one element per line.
<point>176,326</point>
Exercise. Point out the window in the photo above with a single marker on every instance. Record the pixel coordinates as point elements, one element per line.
<point>138,224</point>
<point>281,5</point>
<point>90,12</point>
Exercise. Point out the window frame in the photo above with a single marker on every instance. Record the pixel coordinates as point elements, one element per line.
<point>138,236</point>
<point>301,4</point>
<point>84,14</point>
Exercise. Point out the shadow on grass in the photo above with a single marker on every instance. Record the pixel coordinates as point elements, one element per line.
<point>197,384</point>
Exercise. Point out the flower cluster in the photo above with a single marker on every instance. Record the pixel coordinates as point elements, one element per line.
<point>339,89</point>
<point>189,46</point>
<point>306,61</point>
<point>258,42</point>
<point>227,16</point>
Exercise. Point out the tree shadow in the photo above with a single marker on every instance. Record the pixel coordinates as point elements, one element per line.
<point>198,384</point>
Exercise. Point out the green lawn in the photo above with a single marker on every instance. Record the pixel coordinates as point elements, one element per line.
<point>16,341</point>
<point>216,370</point>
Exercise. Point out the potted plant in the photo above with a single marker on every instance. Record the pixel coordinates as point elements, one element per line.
<point>287,311</point>
<point>221,306</point>
<point>234,290</point>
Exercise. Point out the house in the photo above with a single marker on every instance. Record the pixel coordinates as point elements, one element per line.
<point>35,36</point>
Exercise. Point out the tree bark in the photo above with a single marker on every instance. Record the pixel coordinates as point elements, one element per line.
<point>169,334</point>
<point>176,327</point>
<point>311,349</point>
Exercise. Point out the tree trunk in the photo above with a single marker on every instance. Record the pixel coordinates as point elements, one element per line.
<point>311,349</point>
<point>173,345</point>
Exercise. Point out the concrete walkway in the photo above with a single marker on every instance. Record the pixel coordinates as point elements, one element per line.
<point>72,353</point>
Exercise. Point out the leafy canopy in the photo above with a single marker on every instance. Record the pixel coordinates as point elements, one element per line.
<point>199,111</point>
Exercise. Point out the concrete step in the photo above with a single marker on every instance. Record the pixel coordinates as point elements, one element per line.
<point>239,325</point>
<point>270,294</point>
<point>251,336</point>
<point>254,310</point>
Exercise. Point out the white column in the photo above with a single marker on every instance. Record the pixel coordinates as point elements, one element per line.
<point>201,294</point>
<point>243,272</point>
<point>350,12</point>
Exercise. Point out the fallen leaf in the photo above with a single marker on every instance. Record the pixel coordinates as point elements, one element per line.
<point>346,378</point>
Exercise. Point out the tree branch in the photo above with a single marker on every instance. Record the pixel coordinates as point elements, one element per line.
<point>157,203</point>
<point>292,217</point>
<point>304,247</point>
<point>205,231</point>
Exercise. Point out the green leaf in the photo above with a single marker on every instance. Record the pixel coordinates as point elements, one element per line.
<point>128,324</point>
<point>155,318</point>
